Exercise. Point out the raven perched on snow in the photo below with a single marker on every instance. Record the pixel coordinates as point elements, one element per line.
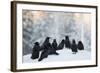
<point>74,47</point>
<point>35,51</point>
<point>45,43</point>
<point>54,44</point>
<point>67,42</point>
<point>80,45</point>
<point>47,50</point>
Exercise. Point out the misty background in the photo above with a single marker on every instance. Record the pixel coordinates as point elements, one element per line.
<point>37,25</point>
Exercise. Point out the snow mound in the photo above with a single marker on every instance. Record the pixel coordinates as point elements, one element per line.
<point>64,55</point>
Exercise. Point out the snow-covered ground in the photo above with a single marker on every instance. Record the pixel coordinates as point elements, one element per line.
<point>64,55</point>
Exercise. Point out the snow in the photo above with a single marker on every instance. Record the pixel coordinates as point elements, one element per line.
<point>64,55</point>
